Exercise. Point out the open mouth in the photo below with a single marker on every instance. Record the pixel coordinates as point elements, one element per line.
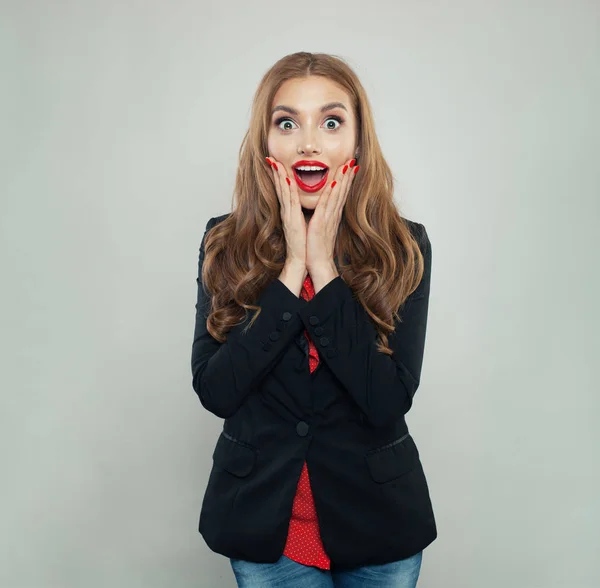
<point>311,178</point>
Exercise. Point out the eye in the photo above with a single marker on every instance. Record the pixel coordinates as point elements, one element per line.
<point>282,120</point>
<point>337,119</point>
<point>288,121</point>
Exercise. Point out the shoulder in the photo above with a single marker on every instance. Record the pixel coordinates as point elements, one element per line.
<point>419,232</point>
<point>215,220</point>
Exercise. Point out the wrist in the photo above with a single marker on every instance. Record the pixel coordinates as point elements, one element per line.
<point>322,275</point>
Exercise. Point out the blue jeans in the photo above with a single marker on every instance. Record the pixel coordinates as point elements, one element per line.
<point>287,573</point>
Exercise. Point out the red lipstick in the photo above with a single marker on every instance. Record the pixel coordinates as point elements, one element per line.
<point>305,187</point>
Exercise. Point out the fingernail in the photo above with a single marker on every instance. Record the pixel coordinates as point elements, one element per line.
<point>356,168</point>
<point>333,183</point>
<point>345,169</point>
<point>274,165</point>
<point>352,163</point>
<point>268,161</point>
<point>288,181</point>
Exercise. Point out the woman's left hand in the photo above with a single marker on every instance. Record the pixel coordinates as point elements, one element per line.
<point>321,233</point>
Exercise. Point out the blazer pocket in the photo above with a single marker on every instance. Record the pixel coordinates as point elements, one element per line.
<point>392,460</point>
<point>234,456</point>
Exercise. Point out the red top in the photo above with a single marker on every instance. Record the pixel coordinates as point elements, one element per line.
<point>304,539</point>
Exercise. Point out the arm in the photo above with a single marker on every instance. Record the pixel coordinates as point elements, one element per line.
<point>382,386</point>
<point>223,374</point>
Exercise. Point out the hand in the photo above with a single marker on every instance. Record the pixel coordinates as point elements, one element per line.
<point>322,229</point>
<point>294,225</point>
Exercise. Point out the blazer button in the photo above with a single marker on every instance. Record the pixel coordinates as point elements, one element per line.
<point>324,341</point>
<point>319,331</point>
<point>287,316</point>
<point>274,336</point>
<point>302,429</point>
<point>313,320</point>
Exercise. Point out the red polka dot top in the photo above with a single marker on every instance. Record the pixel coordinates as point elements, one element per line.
<point>304,539</point>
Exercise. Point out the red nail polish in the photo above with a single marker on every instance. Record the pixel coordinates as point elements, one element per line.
<point>356,168</point>
<point>275,166</point>
<point>345,169</point>
<point>333,183</point>
<point>352,163</point>
<point>288,181</point>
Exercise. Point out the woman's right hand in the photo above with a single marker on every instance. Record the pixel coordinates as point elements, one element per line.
<point>292,217</point>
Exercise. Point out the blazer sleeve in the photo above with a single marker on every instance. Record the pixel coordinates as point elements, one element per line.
<point>382,386</point>
<point>223,374</point>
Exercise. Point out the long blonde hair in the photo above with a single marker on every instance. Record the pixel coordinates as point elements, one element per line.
<point>378,256</point>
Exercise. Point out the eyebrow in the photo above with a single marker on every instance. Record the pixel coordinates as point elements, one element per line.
<point>324,108</point>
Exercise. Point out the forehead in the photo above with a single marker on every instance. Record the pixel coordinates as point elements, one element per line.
<point>305,94</point>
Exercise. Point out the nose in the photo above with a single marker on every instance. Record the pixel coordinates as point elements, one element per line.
<point>306,149</point>
<point>308,144</point>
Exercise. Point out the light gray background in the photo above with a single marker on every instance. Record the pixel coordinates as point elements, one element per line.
<point>120,128</point>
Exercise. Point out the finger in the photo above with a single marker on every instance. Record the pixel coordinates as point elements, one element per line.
<point>321,208</point>
<point>283,184</point>
<point>330,195</point>
<point>277,182</point>
<point>348,177</point>
<point>293,187</point>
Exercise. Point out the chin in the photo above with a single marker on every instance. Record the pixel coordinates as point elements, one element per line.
<point>309,201</point>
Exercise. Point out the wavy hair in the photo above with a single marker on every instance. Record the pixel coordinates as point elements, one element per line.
<point>378,256</point>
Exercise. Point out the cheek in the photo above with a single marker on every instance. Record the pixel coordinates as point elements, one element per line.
<point>281,147</point>
<point>276,139</point>
<point>272,139</point>
<point>341,148</point>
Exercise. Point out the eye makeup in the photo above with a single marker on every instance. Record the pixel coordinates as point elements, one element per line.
<point>339,119</point>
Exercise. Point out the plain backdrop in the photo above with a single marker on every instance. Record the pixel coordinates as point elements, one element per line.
<point>120,125</point>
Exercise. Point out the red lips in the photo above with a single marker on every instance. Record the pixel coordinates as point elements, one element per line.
<point>305,187</point>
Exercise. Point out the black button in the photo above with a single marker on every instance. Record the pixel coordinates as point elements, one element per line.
<point>274,336</point>
<point>319,331</point>
<point>287,316</point>
<point>324,341</point>
<point>331,353</point>
<point>267,346</point>
<point>313,320</point>
<point>302,429</point>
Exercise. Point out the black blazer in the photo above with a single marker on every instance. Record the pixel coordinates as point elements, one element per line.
<point>346,419</point>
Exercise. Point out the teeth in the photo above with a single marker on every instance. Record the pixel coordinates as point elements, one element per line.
<point>310,168</point>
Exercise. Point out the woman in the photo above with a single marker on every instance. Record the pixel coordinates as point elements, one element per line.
<point>316,480</point>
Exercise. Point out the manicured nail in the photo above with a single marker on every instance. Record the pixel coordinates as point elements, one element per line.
<point>274,165</point>
<point>269,161</point>
<point>345,169</point>
<point>333,183</point>
<point>352,163</point>
<point>356,168</point>
<point>288,181</point>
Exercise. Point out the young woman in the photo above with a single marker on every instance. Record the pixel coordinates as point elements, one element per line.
<point>316,480</point>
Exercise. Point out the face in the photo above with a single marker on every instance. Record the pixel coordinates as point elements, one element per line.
<point>300,130</point>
